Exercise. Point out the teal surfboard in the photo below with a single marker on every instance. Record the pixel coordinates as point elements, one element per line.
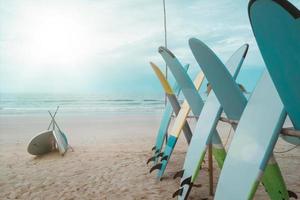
<point>233,106</point>
<point>207,122</point>
<point>253,143</point>
<point>192,96</point>
<point>166,118</point>
<point>214,70</point>
<point>276,26</point>
<point>187,86</point>
<point>175,105</point>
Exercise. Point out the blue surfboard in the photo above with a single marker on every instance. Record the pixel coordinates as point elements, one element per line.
<point>166,118</point>
<point>172,99</point>
<point>212,66</point>
<point>196,103</point>
<point>208,120</point>
<point>187,86</point>
<point>253,143</point>
<point>279,21</point>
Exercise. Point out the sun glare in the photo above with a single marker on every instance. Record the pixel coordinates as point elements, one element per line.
<point>57,39</point>
<point>70,42</point>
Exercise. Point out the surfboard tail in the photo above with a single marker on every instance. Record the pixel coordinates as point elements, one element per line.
<point>167,154</point>
<point>185,190</point>
<point>165,157</point>
<point>219,154</point>
<point>273,181</point>
<point>187,184</point>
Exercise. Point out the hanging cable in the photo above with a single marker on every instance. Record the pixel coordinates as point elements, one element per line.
<point>166,43</point>
<point>165,26</point>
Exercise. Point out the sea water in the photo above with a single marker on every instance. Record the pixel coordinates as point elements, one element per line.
<point>22,104</point>
<point>36,103</point>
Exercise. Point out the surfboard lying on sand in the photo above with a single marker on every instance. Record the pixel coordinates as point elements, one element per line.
<point>60,137</point>
<point>41,144</point>
<point>49,140</point>
<point>166,118</point>
<point>175,105</point>
<point>214,70</point>
<point>207,122</point>
<point>280,21</point>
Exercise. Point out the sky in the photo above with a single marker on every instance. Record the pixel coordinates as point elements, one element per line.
<point>104,46</point>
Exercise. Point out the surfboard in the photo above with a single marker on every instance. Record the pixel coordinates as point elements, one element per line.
<point>209,117</point>
<point>60,141</point>
<point>42,143</point>
<point>233,106</point>
<point>190,91</point>
<point>178,125</point>
<point>253,143</point>
<point>212,66</point>
<point>166,118</point>
<point>60,137</point>
<point>280,21</point>
<point>175,105</point>
<point>187,86</point>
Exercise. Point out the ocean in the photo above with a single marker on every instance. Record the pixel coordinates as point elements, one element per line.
<point>24,104</point>
<point>40,104</point>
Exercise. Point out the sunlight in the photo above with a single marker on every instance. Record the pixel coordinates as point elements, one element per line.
<point>74,45</point>
<point>57,39</point>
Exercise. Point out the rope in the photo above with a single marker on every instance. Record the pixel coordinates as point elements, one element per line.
<point>229,133</point>
<point>288,150</point>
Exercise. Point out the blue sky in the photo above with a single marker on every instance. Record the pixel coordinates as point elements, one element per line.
<point>89,46</point>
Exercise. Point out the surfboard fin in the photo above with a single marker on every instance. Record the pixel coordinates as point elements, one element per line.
<point>154,157</point>
<point>292,194</point>
<point>160,154</point>
<point>186,181</point>
<point>178,174</point>
<point>151,159</point>
<point>177,193</point>
<point>164,158</point>
<point>157,166</point>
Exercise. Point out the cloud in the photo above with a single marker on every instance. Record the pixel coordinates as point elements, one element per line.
<point>118,40</point>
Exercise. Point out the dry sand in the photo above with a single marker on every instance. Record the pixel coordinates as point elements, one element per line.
<point>108,162</point>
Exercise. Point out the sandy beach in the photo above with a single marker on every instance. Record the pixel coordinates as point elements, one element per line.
<point>108,161</point>
<point>109,69</point>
